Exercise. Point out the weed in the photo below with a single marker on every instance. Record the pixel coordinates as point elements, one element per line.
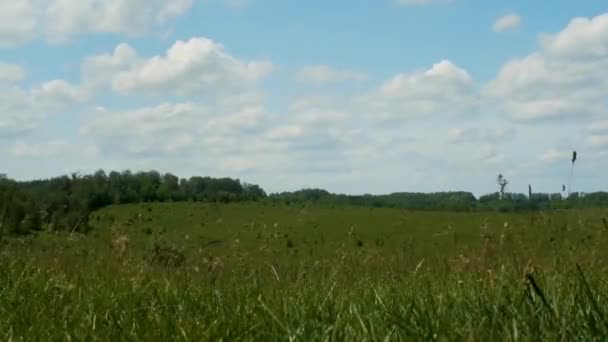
<point>167,256</point>
<point>435,277</point>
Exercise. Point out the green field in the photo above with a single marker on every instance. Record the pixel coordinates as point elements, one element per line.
<point>234,272</point>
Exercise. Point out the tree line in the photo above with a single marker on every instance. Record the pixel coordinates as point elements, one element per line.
<point>65,202</point>
<point>447,201</point>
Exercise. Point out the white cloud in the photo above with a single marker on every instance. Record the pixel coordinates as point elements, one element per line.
<point>285,132</point>
<point>18,22</point>
<point>507,22</point>
<point>223,125</point>
<point>323,74</point>
<point>226,124</point>
<point>15,125</point>
<point>22,110</point>
<point>583,38</point>
<point>59,20</point>
<point>172,9</point>
<point>40,150</point>
<point>554,155</point>
<point>238,165</point>
<point>480,134</point>
<point>169,128</point>
<point>228,138</point>
<point>568,77</point>
<point>313,128</point>
<point>196,66</point>
<point>56,94</point>
<point>444,90</point>
<point>598,127</point>
<point>99,70</point>
<point>486,153</point>
<point>598,141</point>
<point>317,111</point>
<point>11,73</point>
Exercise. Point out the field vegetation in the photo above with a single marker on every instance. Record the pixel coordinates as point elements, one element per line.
<point>270,271</point>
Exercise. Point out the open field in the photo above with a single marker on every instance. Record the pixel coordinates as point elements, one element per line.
<point>257,272</point>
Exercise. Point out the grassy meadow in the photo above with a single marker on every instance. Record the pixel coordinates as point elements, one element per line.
<point>241,272</point>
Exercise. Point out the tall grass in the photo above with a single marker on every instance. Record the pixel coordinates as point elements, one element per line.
<point>474,277</point>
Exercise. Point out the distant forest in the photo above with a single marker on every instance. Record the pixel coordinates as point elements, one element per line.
<point>65,202</point>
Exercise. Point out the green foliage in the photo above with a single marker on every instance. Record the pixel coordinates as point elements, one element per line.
<point>445,201</point>
<point>255,272</point>
<point>457,201</point>
<point>64,203</point>
<point>17,212</point>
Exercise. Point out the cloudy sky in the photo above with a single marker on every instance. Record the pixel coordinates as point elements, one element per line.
<point>353,96</point>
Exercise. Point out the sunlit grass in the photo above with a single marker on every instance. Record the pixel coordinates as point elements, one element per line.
<point>253,272</point>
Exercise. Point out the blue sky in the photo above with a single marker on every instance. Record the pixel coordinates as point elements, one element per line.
<point>358,96</point>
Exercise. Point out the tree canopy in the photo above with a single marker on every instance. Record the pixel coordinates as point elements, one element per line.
<point>65,202</point>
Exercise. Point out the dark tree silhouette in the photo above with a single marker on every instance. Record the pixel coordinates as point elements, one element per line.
<point>502,183</point>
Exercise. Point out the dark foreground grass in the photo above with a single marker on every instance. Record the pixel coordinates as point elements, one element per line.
<point>246,272</point>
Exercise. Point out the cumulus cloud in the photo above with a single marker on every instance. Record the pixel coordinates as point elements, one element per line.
<point>323,74</point>
<point>312,137</point>
<point>55,95</point>
<point>173,9</point>
<point>566,78</point>
<point>23,149</point>
<point>21,110</point>
<point>169,128</point>
<point>18,22</point>
<point>15,125</point>
<point>583,38</point>
<point>486,153</point>
<point>598,127</point>
<point>596,134</point>
<point>190,138</point>
<point>224,125</point>
<point>11,73</point>
<point>480,134</point>
<point>312,128</point>
<point>209,115</point>
<point>598,140</point>
<point>188,67</point>
<point>58,20</point>
<point>444,90</point>
<point>316,111</point>
<point>99,70</point>
<point>507,22</point>
<point>554,155</point>
<point>163,128</point>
